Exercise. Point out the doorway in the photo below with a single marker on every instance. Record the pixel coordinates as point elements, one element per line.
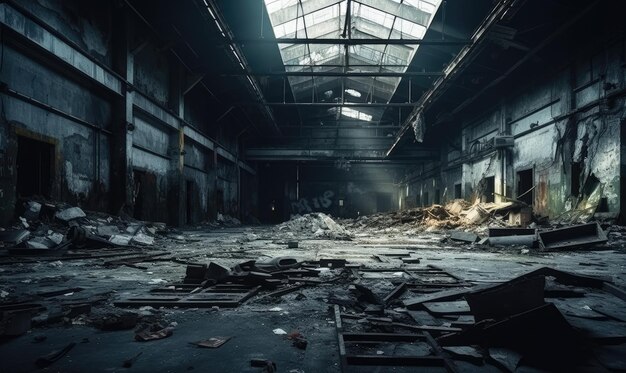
<point>457,191</point>
<point>525,183</point>
<point>490,188</point>
<point>35,167</point>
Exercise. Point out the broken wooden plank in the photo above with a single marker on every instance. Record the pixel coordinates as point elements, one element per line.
<point>205,299</point>
<point>446,295</point>
<point>448,308</point>
<point>395,293</point>
<point>461,236</point>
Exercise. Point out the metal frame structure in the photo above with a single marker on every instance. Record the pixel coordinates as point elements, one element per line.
<point>437,359</point>
<point>369,44</point>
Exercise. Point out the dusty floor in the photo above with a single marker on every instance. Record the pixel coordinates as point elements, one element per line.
<point>251,325</point>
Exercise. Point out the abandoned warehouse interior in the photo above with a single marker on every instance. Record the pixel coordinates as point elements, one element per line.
<point>312,185</point>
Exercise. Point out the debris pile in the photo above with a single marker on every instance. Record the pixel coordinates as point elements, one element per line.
<point>535,320</point>
<point>214,285</point>
<point>223,221</point>
<point>457,213</point>
<point>46,228</point>
<point>320,224</point>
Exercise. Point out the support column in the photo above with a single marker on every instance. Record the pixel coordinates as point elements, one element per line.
<point>177,141</point>
<point>122,187</point>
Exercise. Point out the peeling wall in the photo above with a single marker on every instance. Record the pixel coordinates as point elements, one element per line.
<point>556,120</point>
<point>67,96</point>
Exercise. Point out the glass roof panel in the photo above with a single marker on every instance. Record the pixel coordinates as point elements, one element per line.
<point>369,19</point>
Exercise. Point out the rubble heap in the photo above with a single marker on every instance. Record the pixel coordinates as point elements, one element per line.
<point>458,213</point>
<point>320,224</point>
<point>49,227</point>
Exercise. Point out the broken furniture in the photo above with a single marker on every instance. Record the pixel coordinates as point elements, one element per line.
<point>572,237</point>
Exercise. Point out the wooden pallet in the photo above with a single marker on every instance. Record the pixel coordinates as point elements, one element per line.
<point>227,296</point>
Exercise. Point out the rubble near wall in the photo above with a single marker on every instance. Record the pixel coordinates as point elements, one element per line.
<point>568,120</point>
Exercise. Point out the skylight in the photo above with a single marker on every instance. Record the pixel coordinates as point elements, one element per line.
<point>369,19</point>
<point>348,112</point>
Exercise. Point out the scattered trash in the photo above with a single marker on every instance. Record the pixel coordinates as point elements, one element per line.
<point>213,342</point>
<point>110,322</point>
<point>267,365</point>
<point>49,359</point>
<point>298,340</point>
<point>153,332</point>
<point>70,214</point>
<point>279,331</point>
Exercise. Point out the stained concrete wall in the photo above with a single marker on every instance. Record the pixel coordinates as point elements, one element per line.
<point>556,119</point>
<point>64,87</point>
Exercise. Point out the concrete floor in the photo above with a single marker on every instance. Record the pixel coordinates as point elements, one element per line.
<point>250,325</point>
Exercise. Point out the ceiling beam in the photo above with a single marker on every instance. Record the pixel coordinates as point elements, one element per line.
<point>332,104</point>
<point>458,63</point>
<point>298,154</point>
<point>372,41</point>
<point>362,74</point>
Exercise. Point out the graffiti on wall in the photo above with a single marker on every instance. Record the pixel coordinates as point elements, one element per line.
<point>306,205</point>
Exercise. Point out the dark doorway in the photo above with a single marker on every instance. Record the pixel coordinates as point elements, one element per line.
<point>219,203</point>
<point>35,167</point>
<point>524,184</point>
<point>189,201</point>
<point>490,188</point>
<point>437,199</point>
<point>425,199</point>
<point>457,191</point>
<point>145,192</point>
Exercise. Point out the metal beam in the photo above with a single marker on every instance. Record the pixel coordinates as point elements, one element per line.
<point>462,59</point>
<point>361,74</point>
<point>544,42</point>
<point>213,14</point>
<point>298,154</point>
<point>373,41</point>
<point>332,104</point>
<point>192,82</point>
<point>333,127</point>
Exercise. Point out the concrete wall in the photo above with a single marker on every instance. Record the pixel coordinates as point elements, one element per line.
<point>557,119</point>
<point>65,66</point>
